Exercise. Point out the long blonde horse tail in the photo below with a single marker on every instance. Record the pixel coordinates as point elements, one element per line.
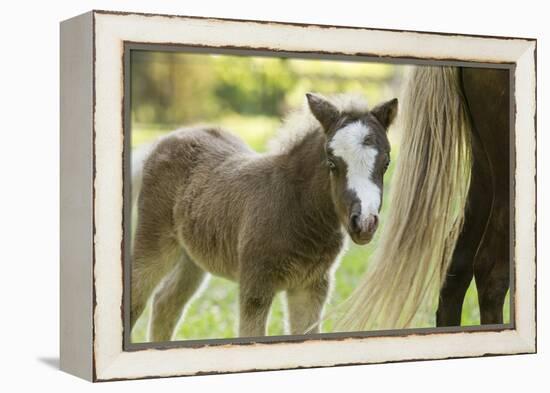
<point>428,198</point>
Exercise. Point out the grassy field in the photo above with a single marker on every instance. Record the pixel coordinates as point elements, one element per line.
<point>213,312</point>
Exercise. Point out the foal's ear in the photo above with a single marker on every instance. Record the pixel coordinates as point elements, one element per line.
<point>323,110</point>
<point>385,113</point>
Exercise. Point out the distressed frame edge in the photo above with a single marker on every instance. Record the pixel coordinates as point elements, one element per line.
<point>304,24</point>
<point>526,224</point>
<point>529,339</point>
<point>308,367</point>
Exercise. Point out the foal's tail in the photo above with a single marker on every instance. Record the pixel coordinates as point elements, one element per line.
<point>428,198</point>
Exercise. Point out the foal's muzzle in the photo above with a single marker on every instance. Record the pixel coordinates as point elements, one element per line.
<point>362,228</point>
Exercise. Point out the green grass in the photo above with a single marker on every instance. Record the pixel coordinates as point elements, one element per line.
<point>213,313</point>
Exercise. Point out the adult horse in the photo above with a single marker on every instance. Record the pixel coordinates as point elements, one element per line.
<point>271,222</point>
<point>449,218</point>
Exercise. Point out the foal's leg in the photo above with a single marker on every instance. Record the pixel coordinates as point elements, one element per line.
<point>305,307</point>
<point>148,267</point>
<point>155,252</point>
<point>170,299</point>
<point>255,300</point>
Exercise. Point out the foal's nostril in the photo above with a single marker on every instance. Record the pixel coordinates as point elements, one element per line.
<point>354,222</point>
<point>372,223</point>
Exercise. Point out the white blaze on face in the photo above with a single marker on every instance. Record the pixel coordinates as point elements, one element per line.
<point>347,144</point>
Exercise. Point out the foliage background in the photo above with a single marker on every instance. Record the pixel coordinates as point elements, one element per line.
<point>249,96</point>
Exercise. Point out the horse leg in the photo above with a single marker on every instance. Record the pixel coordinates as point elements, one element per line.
<point>459,276</point>
<point>305,307</point>
<point>487,92</point>
<point>170,299</point>
<point>492,268</point>
<point>461,269</point>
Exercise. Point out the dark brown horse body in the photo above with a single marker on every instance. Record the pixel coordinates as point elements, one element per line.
<point>483,250</point>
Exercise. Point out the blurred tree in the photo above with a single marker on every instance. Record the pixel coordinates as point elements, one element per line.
<point>171,88</point>
<point>252,85</point>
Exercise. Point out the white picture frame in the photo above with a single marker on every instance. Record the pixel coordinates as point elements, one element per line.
<point>92,195</point>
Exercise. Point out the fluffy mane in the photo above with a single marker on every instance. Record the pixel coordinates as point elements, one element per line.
<point>300,122</point>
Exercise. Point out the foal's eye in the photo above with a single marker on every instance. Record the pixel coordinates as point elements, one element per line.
<point>331,165</point>
<point>387,164</point>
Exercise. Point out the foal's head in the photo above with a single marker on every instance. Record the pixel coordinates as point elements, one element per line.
<point>357,156</point>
